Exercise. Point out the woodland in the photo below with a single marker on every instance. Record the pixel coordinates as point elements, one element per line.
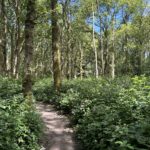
<point>90,59</point>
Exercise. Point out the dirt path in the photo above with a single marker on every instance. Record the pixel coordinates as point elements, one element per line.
<point>57,135</point>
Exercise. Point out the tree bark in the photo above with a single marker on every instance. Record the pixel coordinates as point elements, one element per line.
<point>81,61</point>
<point>94,47</point>
<point>12,52</point>
<point>3,33</point>
<point>112,67</point>
<point>29,31</point>
<point>18,40</point>
<point>101,39</point>
<point>55,47</point>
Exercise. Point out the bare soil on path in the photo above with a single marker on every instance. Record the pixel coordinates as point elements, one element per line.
<point>58,135</point>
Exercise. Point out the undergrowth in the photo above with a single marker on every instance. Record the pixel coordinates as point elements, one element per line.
<point>107,114</point>
<point>20,125</point>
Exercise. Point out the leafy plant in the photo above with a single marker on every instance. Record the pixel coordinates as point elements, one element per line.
<point>20,125</point>
<point>108,114</point>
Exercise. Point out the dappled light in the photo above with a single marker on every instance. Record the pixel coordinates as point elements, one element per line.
<point>74,75</point>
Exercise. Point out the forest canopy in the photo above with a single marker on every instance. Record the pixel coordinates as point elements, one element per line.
<point>95,37</point>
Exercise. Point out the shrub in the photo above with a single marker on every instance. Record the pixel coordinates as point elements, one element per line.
<point>20,125</point>
<point>108,114</point>
<point>121,124</point>
<point>9,87</point>
<point>43,89</point>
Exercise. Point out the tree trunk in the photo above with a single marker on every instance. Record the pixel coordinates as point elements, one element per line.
<point>102,48</point>
<point>112,67</point>
<point>29,30</point>
<point>55,47</point>
<point>18,40</point>
<point>101,39</point>
<point>81,60</point>
<point>94,47</point>
<point>12,52</point>
<point>3,33</point>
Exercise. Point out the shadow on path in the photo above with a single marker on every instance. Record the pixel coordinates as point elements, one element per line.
<point>57,134</point>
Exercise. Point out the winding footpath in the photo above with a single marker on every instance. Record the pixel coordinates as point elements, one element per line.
<point>57,134</point>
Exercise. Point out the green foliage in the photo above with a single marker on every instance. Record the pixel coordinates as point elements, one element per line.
<point>20,125</point>
<point>108,114</point>
<point>9,87</point>
<point>43,90</point>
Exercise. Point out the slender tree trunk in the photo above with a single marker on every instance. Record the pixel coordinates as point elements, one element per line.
<point>55,47</point>
<point>112,65</point>
<point>12,52</point>
<point>29,30</point>
<point>18,40</point>
<point>68,52</point>
<point>81,61</point>
<point>67,37</point>
<point>127,67</point>
<point>1,62</point>
<point>106,52</point>
<point>102,48</point>
<point>113,51</point>
<point>94,47</point>
<point>101,39</point>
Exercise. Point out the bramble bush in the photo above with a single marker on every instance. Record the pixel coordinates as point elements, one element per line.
<point>107,114</point>
<point>20,125</point>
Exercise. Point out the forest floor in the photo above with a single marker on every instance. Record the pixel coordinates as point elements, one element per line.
<point>58,134</point>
